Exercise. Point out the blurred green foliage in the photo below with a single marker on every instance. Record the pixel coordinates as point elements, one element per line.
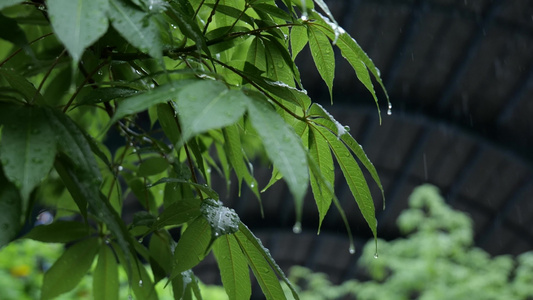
<point>436,260</point>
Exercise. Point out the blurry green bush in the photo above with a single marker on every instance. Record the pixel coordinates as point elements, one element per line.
<point>436,260</point>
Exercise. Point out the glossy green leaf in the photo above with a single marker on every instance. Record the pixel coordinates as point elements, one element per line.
<point>10,211</point>
<point>152,166</point>
<point>236,157</point>
<point>323,56</point>
<point>59,232</point>
<point>160,254</point>
<point>206,105</point>
<point>321,155</point>
<point>192,247</point>
<point>233,267</point>
<point>168,122</point>
<point>223,220</point>
<point>298,39</point>
<point>136,26</point>
<point>283,147</point>
<point>178,213</point>
<point>268,281</point>
<point>183,18</point>
<point>83,187</point>
<point>354,177</point>
<point>105,276</point>
<point>78,23</point>
<point>354,54</point>
<point>143,101</point>
<point>27,148</point>
<point>69,269</point>
<point>279,65</point>
<point>22,85</point>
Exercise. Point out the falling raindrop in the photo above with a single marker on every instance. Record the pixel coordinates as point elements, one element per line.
<point>297,228</point>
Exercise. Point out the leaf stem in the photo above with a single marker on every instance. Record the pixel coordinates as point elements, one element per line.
<point>46,75</point>
<point>20,49</point>
<point>87,79</point>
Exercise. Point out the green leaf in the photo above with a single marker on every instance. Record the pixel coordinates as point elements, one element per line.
<point>283,147</point>
<point>27,148</point>
<point>321,155</point>
<point>77,23</point>
<point>256,243</point>
<point>22,85</point>
<point>160,254</point>
<point>206,105</point>
<point>192,246</point>
<point>139,279</point>
<point>15,34</point>
<point>223,220</point>
<point>178,213</point>
<point>137,27</point>
<point>268,281</point>
<point>236,157</point>
<point>354,54</point>
<point>188,26</point>
<point>152,166</point>
<point>323,56</point>
<point>298,40</point>
<point>105,276</point>
<point>7,3</point>
<point>143,101</point>
<point>59,232</point>
<point>167,120</point>
<point>354,177</point>
<point>233,267</point>
<point>10,211</point>
<point>107,94</point>
<point>206,189</point>
<point>69,269</point>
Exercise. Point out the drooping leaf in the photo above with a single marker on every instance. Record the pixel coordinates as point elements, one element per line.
<point>323,56</point>
<point>223,220</point>
<point>190,28</point>
<point>105,276</point>
<point>69,269</point>
<point>22,85</point>
<point>143,101</point>
<point>233,267</point>
<point>27,148</point>
<point>321,155</point>
<point>137,27</point>
<point>167,120</point>
<point>245,232</point>
<point>192,246</point>
<point>139,279</point>
<point>283,147</point>
<point>206,105</point>
<point>59,232</point>
<point>354,54</point>
<point>10,211</point>
<point>160,254</point>
<point>178,213</point>
<point>298,40</point>
<point>78,24</point>
<point>354,177</point>
<point>268,281</point>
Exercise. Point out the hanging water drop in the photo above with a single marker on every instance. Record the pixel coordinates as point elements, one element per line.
<point>140,240</point>
<point>41,7</point>
<point>297,228</point>
<point>376,255</point>
<point>389,110</point>
<point>351,249</point>
<point>141,283</point>
<point>120,168</point>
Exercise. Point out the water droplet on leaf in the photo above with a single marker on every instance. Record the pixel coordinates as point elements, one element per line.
<point>376,255</point>
<point>297,228</point>
<point>141,282</point>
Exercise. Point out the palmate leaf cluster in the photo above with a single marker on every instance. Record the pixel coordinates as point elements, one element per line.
<point>205,75</point>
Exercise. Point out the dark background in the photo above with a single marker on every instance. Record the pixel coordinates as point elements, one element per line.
<point>460,78</point>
